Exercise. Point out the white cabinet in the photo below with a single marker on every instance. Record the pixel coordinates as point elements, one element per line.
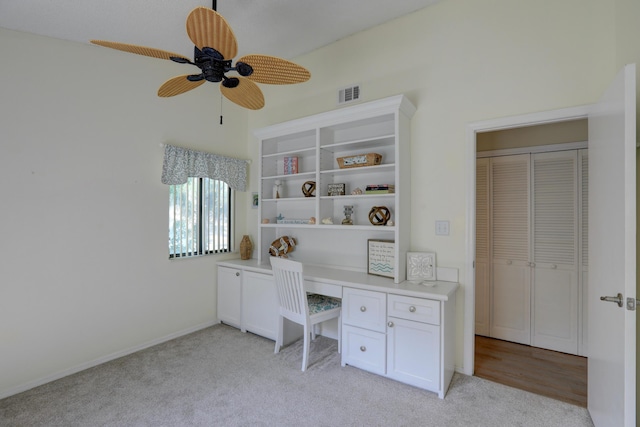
<point>259,304</point>
<point>229,295</point>
<point>400,337</point>
<point>364,329</point>
<point>413,341</point>
<point>316,142</point>
<point>247,300</point>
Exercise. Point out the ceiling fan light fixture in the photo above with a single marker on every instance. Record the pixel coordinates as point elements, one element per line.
<point>215,46</point>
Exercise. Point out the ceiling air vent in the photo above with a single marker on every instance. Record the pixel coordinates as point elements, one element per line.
<point>348,94</point>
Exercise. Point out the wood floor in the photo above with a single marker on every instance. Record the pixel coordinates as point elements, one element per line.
<point>549,373</point>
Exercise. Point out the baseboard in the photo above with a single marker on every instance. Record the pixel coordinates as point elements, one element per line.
<point>73,370</point>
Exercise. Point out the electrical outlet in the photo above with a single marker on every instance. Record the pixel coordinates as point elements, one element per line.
<point>442,228</point>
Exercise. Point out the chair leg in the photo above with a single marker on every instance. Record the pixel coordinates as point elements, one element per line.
<point>279,334</point>
<point>313,332</point>
<point>305,350</point>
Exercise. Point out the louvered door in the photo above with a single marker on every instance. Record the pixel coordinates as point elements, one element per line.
<point>482,265</point>
<point>555,251</point>
<point>510,290</point>
<point>583,272</point>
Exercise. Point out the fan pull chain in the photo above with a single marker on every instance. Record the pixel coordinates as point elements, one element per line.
<point>220,108</point>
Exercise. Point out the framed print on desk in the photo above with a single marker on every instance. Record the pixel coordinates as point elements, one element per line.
<point>421,266</point>
<point>381,259</point>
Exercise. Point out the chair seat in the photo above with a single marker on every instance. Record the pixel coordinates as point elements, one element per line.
<point>319,303</point>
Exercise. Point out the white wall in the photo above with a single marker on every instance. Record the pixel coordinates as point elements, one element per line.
<point>460,61</point>
<point>84,269</point>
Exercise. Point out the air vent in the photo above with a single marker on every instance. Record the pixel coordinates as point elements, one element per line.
<point>348,94</point>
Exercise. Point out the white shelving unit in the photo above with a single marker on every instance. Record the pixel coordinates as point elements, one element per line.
<point>382,127</point>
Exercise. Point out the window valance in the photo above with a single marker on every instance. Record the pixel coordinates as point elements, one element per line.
<point>182,163</point>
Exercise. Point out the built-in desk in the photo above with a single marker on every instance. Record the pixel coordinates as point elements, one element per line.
<point>405,331</point>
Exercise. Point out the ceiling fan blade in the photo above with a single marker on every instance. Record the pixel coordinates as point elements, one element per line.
<point>207,28</point>
<point>274,70</point>
<point>140,50</point>
<point>247,94</point>
<point>177,85</point>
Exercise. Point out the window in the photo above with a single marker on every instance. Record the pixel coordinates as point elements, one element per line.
<point>200,213</point>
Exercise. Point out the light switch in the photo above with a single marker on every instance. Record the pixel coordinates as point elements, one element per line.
<point>442,228</point>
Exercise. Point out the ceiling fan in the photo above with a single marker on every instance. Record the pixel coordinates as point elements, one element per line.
<point>215,47</point>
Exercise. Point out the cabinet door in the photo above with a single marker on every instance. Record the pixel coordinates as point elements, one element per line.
<point>363,349</point>
<point>413,353</point>
<point>229,295</point>
<point>259,304</point>
<point>365,309</point>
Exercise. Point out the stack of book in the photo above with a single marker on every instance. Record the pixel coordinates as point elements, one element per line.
<point>380,189</point>
<point>290,165</point>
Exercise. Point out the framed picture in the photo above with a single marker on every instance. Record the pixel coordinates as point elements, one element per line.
<point>421,266</point>
<point>381,258</point>
<point>335,189</point>
<point>254,200</point>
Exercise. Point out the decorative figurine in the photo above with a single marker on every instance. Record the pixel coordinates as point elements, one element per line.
<point>327,220</point>
<point>277,189</point>
<point>265,220</point>
<point>312,220</point>
<point>356,191</point>
<point>348,210</point>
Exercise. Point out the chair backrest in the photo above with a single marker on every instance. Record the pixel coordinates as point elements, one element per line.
<point>292,297</point>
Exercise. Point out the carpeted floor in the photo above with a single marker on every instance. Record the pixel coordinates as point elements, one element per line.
<point>222,377</point>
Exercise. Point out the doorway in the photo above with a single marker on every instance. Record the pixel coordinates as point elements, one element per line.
<point>564,129</point>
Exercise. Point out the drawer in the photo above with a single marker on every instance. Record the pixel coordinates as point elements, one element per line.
<point>323,288</point>
<point>416,309</point>
<point>364,349</point>
<point>365,309</point>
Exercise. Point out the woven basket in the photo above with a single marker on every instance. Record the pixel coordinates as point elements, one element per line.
<point>359,160</point>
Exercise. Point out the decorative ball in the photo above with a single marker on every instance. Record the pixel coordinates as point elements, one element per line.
<point>282,246</point>
<point>357,191</point>
<point>308,188</point>
<point>312,220</point>
<point>265,220</point>
<point>379,215</point>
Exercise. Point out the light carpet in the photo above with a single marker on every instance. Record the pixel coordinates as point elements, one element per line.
<point>220,376</point>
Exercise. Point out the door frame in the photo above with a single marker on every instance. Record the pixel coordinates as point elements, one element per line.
<point>540,118</point>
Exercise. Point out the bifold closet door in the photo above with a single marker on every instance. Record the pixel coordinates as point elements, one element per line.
<point>555,251</point>
<point>510,224</point>
<point>483,239</point>
<point>583,276</point>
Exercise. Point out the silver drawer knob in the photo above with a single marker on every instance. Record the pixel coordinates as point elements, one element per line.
<point>390,324</point>
<point>412,309</point>
<point>363,348</point>
<point>363,309</point>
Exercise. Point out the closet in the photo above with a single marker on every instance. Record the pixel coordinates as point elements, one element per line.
<point>531,248</point>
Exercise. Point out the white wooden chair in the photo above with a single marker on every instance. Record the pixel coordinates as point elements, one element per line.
<point>297,306</point>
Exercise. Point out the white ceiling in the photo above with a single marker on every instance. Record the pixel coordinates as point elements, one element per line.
<point>285,28</point>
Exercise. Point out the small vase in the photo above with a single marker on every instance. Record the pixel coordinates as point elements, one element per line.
<point>245,247</point>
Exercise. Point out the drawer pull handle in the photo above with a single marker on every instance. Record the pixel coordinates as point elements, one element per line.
<point>363,309</point>
<point>412,309</point>
<point>237,273</point>
<point>363,348</point>
<point>390,324</point>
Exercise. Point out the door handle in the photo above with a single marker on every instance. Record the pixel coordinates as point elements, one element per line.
<point>617,299</point>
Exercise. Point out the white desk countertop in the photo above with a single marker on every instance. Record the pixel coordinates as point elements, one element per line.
<point>437,290</point>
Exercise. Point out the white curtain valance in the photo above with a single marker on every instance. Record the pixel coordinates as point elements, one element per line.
<point>182,163</point>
